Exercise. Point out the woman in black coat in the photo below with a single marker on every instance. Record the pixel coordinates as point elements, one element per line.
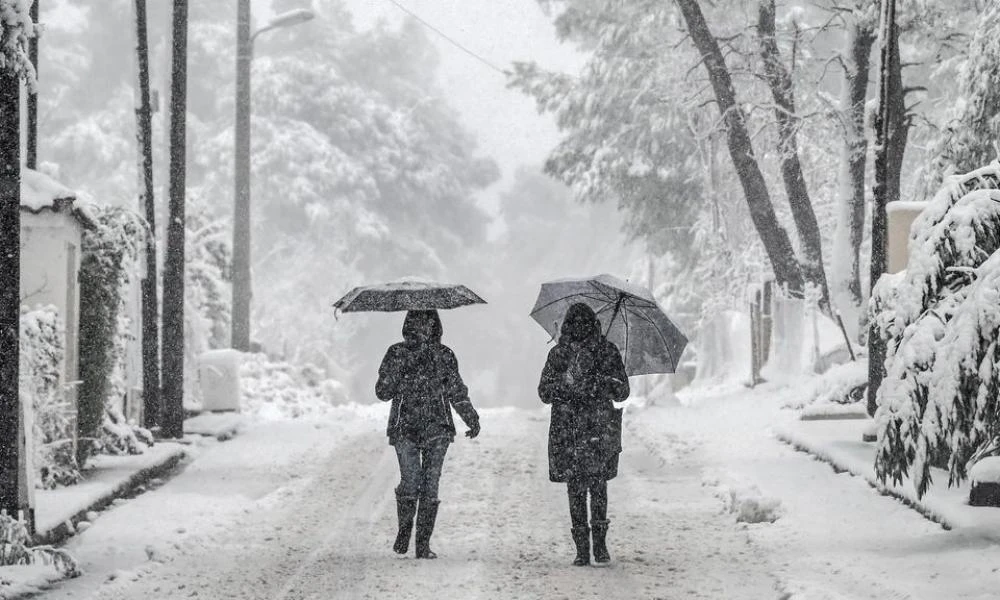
<point>420,377</point>
<point>583,377</point>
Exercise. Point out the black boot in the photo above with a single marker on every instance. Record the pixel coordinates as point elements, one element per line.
<point>581,537</point>
<point>406,508</point>
<point>426,515</point>
<point>600,532</point>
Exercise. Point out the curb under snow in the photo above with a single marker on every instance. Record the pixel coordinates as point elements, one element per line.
<point>838,443</point>
<point>53,530</point>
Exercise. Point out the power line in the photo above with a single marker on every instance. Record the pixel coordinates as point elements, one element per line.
<point>448,38</point>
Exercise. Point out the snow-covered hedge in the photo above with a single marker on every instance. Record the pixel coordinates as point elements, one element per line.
<point>109,252</point>
<point>40,382</point>
<point>941,320</point>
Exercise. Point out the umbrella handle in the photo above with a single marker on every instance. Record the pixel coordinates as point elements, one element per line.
<point>614,315</point>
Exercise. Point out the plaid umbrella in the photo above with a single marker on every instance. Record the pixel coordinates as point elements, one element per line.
<point>407,295</point>
<point>629,316</point>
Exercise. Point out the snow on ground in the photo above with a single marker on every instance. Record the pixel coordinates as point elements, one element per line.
<point>318,521</point>
<point>837,537</point>
<point>21,580</point>
<point>103,475</point>
<point>708,504</point>
<point>840,443</point>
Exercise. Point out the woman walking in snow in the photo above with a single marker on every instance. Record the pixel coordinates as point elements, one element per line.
<point>583,377</point>
<point>420,377</point>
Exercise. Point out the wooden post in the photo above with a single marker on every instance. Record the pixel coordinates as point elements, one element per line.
<point>767,321</point>
<point>755,345</point>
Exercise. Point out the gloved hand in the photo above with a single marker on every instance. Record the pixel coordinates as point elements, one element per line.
<point>473,430</point>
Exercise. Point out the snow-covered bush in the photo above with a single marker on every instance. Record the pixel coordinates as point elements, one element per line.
<point>109,251</point>
<point>14,549</point>
<point>40,381</point>
<point>842,384</point>
<point>941,321</point>
<point>281,390</point>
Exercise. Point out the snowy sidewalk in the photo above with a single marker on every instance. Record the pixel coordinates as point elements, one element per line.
<point>58,511</point>
<point>836,537</point>
<point>839,443</point>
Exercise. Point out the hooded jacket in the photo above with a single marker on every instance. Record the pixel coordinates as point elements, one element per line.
<point>420,377</point>
<point>583,376</point>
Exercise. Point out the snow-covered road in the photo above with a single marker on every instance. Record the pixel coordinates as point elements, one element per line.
<point>305,510</point>
<point>503,530</point>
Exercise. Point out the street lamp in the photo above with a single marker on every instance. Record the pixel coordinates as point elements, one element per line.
<point>240,339</point>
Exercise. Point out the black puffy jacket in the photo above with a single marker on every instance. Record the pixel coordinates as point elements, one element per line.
<point>583,377</point>
<point>420,377</point>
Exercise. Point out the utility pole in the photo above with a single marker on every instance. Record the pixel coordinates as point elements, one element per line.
<point>242,281</point>
<point>10,288</point>
<point>31,160</point>
<point>883,130</point>
<point>242,286</point>
<point>173,267</point>
<point>150,300</point>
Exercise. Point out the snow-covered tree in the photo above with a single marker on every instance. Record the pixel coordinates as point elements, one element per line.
<point>638,109</point>
<point>970,136</point>
<point>939,319</point>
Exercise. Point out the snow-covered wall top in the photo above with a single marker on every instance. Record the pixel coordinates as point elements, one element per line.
<point>40,192</point>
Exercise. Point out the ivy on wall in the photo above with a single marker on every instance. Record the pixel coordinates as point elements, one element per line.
<point>109,252</point>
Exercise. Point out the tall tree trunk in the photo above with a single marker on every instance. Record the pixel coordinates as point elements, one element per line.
<point>885,120</point>
<point>150,300</point>
<point>10,286</point>
<point>899,124</point>
<point>31,158</point>
<point>780,81</point>
<point>173,267</point>
<point>859,39</point>
<point>775,239</point>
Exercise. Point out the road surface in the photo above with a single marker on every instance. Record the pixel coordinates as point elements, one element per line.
<point>503,530</point>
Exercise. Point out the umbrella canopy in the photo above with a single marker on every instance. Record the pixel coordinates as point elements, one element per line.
<point>407,295</point>
<point>629,315</point>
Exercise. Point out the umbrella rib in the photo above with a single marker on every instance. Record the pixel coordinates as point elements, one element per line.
<point>564,298</point>
<point>556,301</point>
<point>607,295</point>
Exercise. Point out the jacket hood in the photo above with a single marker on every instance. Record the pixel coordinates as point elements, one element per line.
<point>422,326</point>
<point>580,324</point>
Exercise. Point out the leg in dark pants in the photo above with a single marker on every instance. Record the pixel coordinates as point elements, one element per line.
<point>577,491</point>
<point>599,519</point>
<point>432,460</point>
<point>407,492</point>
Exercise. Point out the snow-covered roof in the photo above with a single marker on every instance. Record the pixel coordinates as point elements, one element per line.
<point>40,192</point>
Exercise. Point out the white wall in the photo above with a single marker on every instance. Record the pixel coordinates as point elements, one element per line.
<point>50,261</point>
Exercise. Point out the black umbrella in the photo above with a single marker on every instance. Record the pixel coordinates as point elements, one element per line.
<point>629,315</point>
<point>407,295</point>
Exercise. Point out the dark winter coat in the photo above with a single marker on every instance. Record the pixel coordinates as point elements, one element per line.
<point>420,377</point>
<point>583,377</point>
